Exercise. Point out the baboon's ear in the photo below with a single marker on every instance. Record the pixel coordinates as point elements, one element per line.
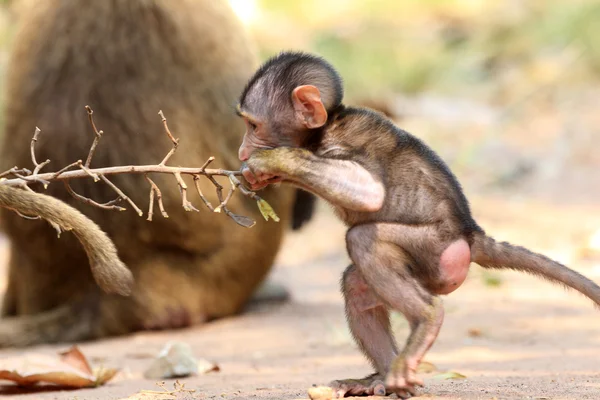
<point>308,106</point>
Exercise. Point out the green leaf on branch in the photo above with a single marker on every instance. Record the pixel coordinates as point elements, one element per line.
<point>266,210</point>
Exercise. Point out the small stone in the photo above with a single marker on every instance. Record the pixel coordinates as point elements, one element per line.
<point>175,360</point>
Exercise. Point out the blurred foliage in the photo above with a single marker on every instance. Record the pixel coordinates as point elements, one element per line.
<point>491,279</point>
<point>453,45</point>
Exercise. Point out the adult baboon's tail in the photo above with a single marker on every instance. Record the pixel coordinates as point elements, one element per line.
<point>108,270</point>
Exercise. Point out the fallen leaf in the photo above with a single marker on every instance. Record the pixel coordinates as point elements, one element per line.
<point>69,369</point>
<point>75,358</point>
<point>425,367</point>
<point>450,375</point>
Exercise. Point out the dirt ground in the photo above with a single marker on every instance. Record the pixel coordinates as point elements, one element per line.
<point>520,339</point>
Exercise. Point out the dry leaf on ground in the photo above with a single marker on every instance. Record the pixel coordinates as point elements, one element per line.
<point>425,367</point>
<point>450,375</point>
<point>69,369</point>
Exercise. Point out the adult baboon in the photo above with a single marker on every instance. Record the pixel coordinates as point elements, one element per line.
<point>128,59</point>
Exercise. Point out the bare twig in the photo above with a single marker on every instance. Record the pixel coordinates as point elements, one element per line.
<point>122,195</point>
<point>89,172</point>
<point>115,201</point>
<point>30,178</point>
<point>38,167</point>
<point>218,187</point>
<point>68,167</point>
<point>15,170</point>
<point>171,137</point>
<point>155,190</point>
<point>210,159</point>
<point>248,193</point>
<point>178,388</point>
<point>187,206</point>
<point>89,201</point>
<point>202,197</point>
<point>125,169</point>
<point>226,200</point>
<point>98,135</point>
<point>150,205</point>
<point>23,177</point>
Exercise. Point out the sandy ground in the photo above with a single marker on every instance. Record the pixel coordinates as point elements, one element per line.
<point>536,341</point>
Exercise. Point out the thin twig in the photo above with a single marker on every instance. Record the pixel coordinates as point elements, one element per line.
<point>98,135</point>
<point>89,201</point>
<point>246,192</point>
<point>150,205</point>
<point>223,204</point>
<point>179,388</point>
<point>22,178</point>
<point>155,190</point>
<point>171,137</point>
<point>218,187</point>
<point>122,195</point>
<point>30,178</point>
<point>125,169</point>
<point>204,199</point>
<point>210,159</point>
<point>115,201</point>
<point>65,169</point>
<point>9,172</point>
<point>15,170</point>
<point>187,206</point>
<point>88,171</point>
<point>38,167</point>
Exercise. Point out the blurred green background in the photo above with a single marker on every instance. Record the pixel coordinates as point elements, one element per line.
<point>466,47</point>
<point>506,91</point>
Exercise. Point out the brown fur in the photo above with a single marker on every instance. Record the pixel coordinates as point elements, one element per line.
<point>128,59</point>
<point>411,236</point>
<point>108,270</point>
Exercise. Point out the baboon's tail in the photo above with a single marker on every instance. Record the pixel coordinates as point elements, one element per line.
<point>491,254</point>
<point>108,270</point>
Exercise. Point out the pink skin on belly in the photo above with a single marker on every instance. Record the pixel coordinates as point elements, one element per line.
<point>454,266</point>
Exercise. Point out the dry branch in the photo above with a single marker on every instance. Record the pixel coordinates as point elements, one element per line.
<point>97,138</point>
<point>37,166</point>
<point>23,177</point>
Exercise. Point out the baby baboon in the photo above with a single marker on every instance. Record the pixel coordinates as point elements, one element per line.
<point>128,59</point>
<point>411,236</point>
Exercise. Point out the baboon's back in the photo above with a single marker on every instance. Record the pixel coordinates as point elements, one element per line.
<point>128,59</point>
